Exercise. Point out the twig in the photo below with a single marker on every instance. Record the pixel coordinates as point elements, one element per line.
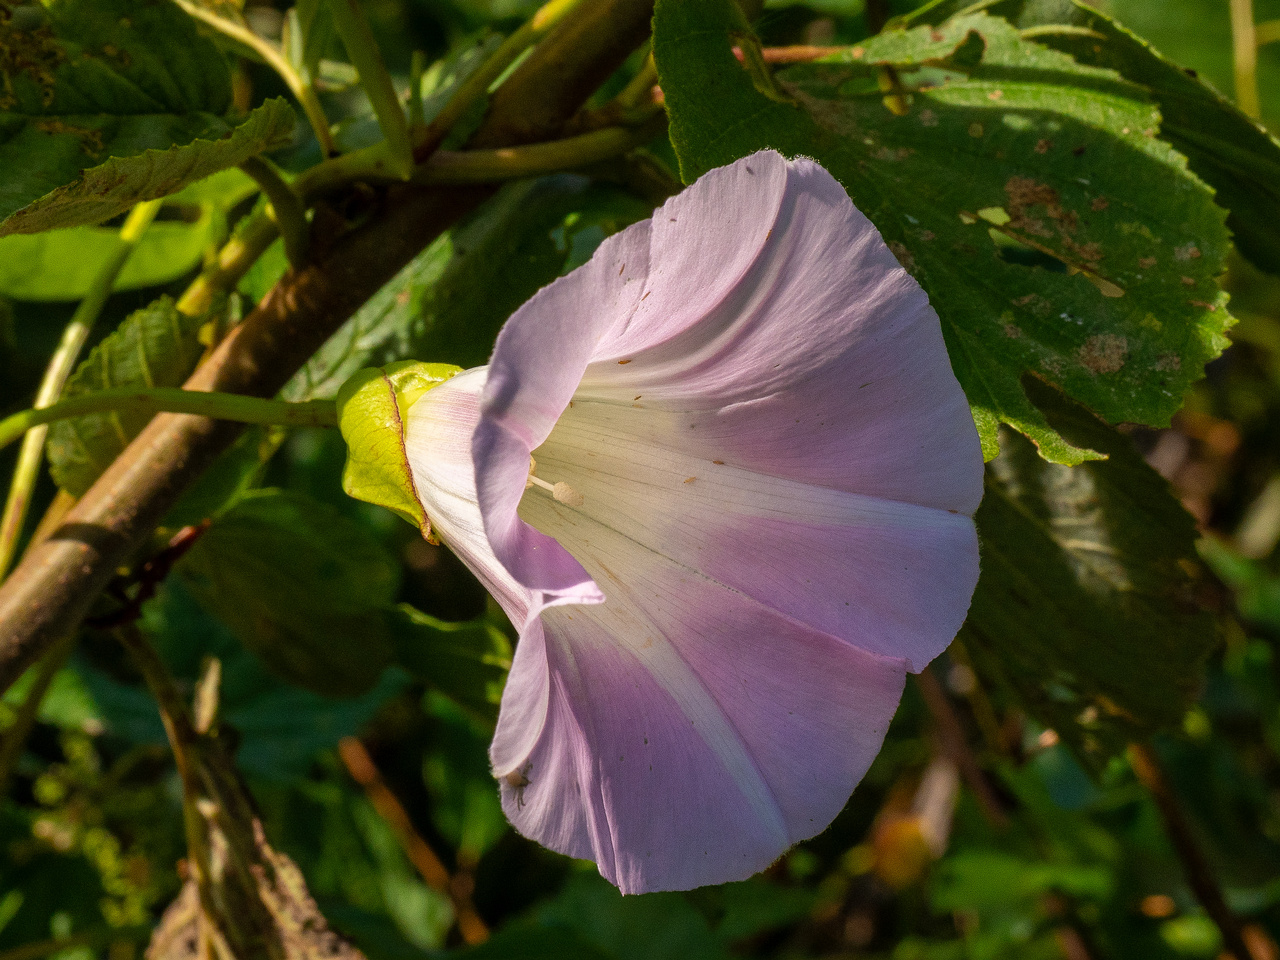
<point>491,166</point>
<point>956,747</point>
<point>49,592</point>
<point>151,575</point>
<point>59,372</point>
<point>362,48</point>
<point>436,875</point>
<point>1200,876</point>
<point>798,54</point>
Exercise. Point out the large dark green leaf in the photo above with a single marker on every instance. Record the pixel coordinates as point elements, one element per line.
<point>156,346</point>
<point>1088,608</point>
<point>1231,152</point>
<point>1029,194</point>
<point>107,102</point>
<point>302,586</point>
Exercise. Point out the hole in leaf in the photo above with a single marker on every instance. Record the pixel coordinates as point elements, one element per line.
<point>1011,251</point>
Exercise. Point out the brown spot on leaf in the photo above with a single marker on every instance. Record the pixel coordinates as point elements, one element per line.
<point>90,140</point>
<point>36,53</point>
<point>1099,203</point>
<point>1188,251</point>
<point>1168,362</point>
<point>1146,263</point>
<point>1044,145</point>
<point>903,255</point>
<point>1104,353</point>
<point>1188,281</point>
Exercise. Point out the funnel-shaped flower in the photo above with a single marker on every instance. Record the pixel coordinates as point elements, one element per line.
<point>723,481</point>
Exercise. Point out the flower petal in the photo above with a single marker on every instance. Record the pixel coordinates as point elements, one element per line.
<point>537,362</point>
<point>437,438</point>
<point>692,735</point>
<point>893,578</point>
<point>825,363</point>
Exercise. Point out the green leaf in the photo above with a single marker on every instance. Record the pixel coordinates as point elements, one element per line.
<point>372,407</point>
<point>1029,194</point>
<point>302,586</point>
<point>468,662</point>
<point>107,102</point>
<point>62,264</point>
<point>107,189</point>
<point>1087,608</point>
<point>157,346</point>
<point>1232,153</point>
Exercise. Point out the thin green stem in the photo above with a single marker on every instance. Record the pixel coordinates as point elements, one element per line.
<point>1244,52</point>
<point>476,85</point>
<point>363,50</point>
<point>639,89</point>
<point>16,736</point>
<point>417,68</point>
<point>220,406</point>
<point>233,262</point>
<point>286,208</point>
<point>272,57</point>
<point>1060,30</point>
<point>509,163</point>
<point>59,371</point>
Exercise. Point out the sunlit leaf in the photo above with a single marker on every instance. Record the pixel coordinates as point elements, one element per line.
<point>157,346</point>
<point>1029,194</point>
<point>108,102</point>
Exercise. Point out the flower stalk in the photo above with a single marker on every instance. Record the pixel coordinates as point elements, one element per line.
<point>220,406</point>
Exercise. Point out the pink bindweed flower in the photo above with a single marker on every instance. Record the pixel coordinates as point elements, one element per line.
<point>721,478</point>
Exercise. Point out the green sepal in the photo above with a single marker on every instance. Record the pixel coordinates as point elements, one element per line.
<point>372,407</point>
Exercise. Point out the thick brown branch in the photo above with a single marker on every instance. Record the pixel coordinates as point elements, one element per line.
<point>49,593</point>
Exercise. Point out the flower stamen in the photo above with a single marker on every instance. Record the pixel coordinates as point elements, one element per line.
<point>560,492</point>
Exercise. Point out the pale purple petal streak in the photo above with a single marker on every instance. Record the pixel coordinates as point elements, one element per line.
<point>692,734</point>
